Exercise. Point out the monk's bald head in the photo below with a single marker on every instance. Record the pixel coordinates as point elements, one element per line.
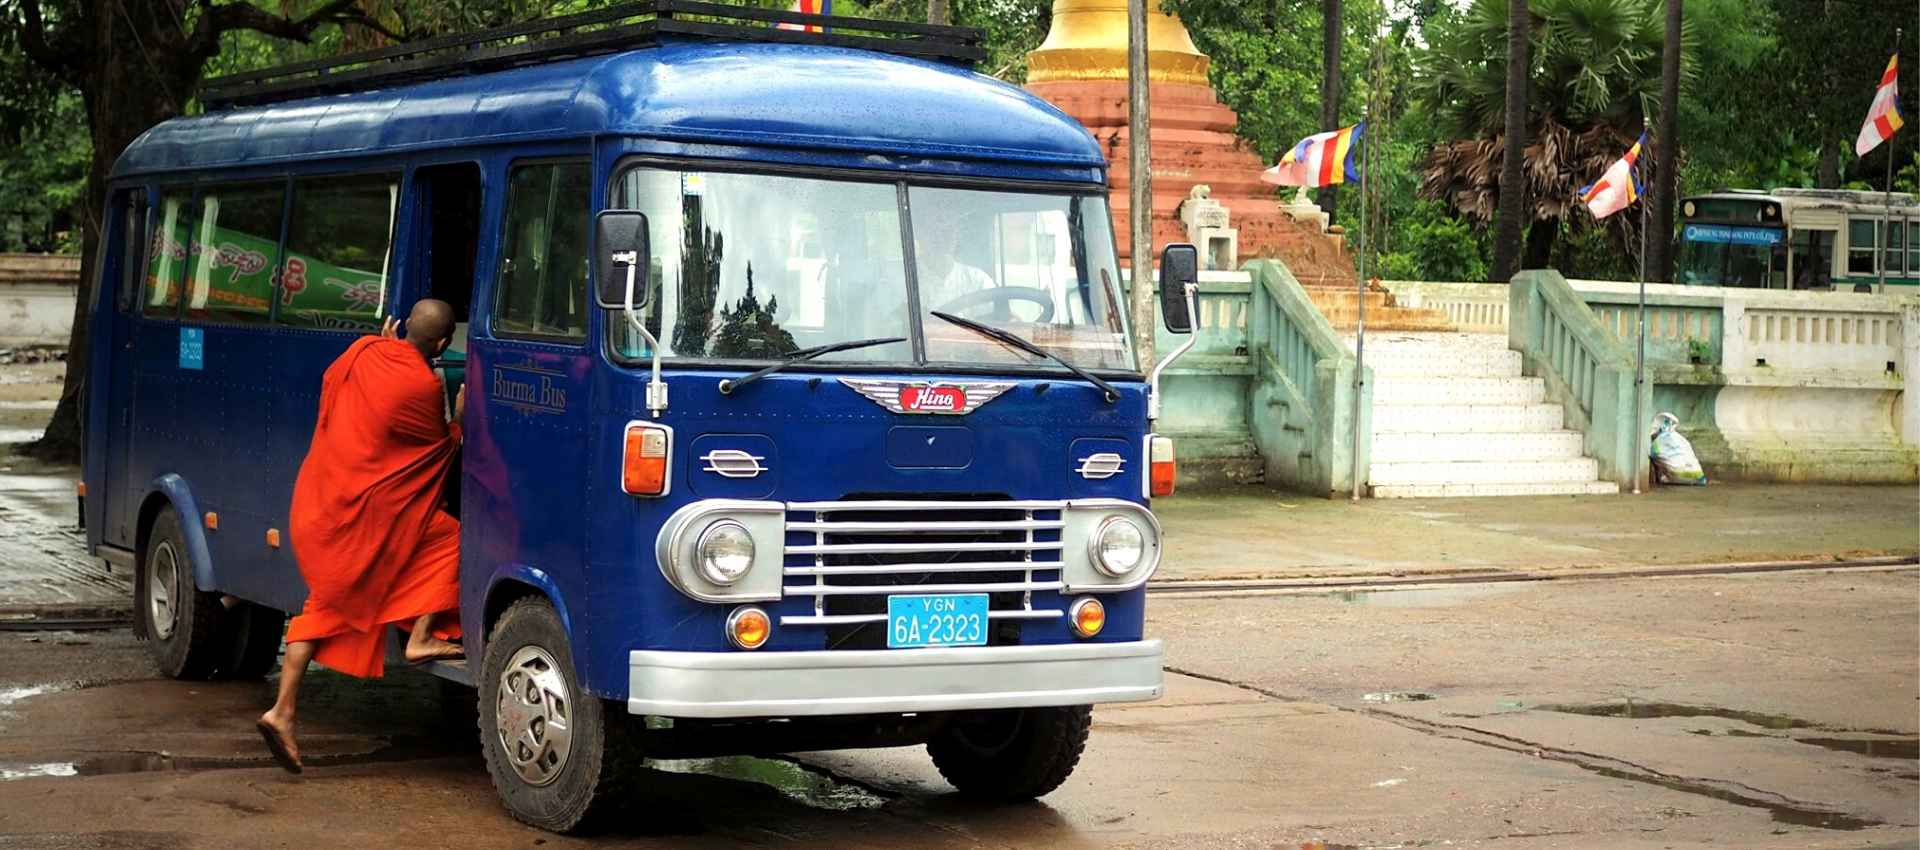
<point>430,326</point>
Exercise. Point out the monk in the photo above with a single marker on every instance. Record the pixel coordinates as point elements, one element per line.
<point>372,543</point>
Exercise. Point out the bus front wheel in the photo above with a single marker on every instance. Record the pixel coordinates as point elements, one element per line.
<point>558,756</point>
<point>1011,754</point>
<point>183,622</point>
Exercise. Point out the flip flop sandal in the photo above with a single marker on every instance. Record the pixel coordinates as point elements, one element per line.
<point>278,746</point>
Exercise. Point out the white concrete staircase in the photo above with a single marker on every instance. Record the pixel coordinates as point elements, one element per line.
<point>1453,416</point>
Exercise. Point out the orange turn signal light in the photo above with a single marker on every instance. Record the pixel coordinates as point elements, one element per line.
<point>749,628</point>
<point>1088,617</point>
<point>83,489</point>
<point>644,472</point>
<point>1160,466</point>
<point>213,521</point>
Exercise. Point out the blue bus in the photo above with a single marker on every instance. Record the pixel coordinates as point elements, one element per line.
<point>801,412</point>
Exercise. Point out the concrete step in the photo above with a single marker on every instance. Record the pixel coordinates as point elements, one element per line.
<point>1399,389</point>
<point>1442,491</point>
<point>1467,418</point>
<point>1407,446</point>
<point>1207,460</point>
<point>1564,471</point>
<point>1429,363</point>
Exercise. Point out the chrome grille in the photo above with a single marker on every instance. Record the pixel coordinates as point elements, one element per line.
<point>849,556</point>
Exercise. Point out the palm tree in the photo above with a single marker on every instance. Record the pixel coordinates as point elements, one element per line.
<point>1595,74</point>
<point>1513,190</point>
<point>1666,164</point>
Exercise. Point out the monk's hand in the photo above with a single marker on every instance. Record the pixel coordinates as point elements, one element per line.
<point>390,329</point>
<point>460,404</point>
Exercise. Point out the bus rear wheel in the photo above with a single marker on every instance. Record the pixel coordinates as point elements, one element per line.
<point>182,622</point>
<point>559,757</point>
<point>1013,754</point>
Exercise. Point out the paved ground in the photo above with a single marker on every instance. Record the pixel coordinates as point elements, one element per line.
<point>1345,720</point>
<point>1259,533</point>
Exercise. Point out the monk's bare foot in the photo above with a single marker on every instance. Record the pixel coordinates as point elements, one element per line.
<point>278,733</point>
<point>422,648</point>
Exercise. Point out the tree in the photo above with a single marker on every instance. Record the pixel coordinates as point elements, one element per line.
<point>936,11</point>
<point>134,64</point>
<point>1513,191</point>
<point>1666,161</point>
<point>1332,33</point>
<point>1594,68</point>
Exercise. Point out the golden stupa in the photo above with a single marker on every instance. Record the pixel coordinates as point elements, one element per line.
<point>1081,68</point>
<point>1088,41</point>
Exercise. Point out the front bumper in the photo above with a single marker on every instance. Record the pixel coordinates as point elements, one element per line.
<point>805,684</point>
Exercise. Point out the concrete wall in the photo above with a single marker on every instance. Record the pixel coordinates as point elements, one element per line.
<point>36,299</point>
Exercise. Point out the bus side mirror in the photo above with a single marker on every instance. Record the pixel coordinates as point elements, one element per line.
<point>621,258</point>
<point>1179,272</point>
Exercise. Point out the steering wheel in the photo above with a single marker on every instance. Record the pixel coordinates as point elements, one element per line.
<point>1002,296</point>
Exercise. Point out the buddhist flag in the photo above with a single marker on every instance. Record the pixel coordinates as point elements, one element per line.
<point>1617,188</point>
<point>810,7</point>
<point>1320,160</point>
<point>1883,118</point>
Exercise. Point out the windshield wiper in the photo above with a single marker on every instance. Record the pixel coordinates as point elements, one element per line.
<point>1021,343</point>
<point>802,356</point>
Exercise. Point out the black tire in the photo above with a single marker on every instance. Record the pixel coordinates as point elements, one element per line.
<point>527,654</point>
<point>1014,754</point>
<point>182,622</point>
<point>253,635</point>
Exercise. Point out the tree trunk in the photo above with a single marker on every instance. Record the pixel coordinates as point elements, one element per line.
<point>1513,188</point>
<point>126,92</point>
<point>1666,154</point>
<point>1332,35</point>
<point>937,12</point>
<point>1829,163</point>
<point>1542,235</point>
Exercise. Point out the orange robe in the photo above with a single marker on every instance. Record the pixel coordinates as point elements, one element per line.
<point>367,531</point>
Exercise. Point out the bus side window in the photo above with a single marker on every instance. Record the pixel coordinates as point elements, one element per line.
<point>540,288</point>
<point>236,247</point>
<point>133,249</point>
<point>339,254</point>
<point>167,254</point>
<point>1863,240</point>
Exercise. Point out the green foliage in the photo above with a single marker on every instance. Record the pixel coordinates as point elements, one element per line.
<point>43,181</point>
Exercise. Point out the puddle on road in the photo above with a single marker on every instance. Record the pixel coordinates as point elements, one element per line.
<point>790,778</point>
<point>1791,815</point>
<point>1396,696</point>
<point>1906,749</point>
<point>804,785</point>
<point>399,749</point>
<point>1636,710</point>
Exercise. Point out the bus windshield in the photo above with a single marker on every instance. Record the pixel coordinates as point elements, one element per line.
<point>757,266</point>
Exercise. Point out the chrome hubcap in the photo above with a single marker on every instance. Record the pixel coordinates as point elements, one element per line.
<point>533,712</point>
<point>163,590</point>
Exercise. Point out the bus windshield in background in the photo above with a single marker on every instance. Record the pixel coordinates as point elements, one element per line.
<point>1730,255</point>
<point>756,266</point>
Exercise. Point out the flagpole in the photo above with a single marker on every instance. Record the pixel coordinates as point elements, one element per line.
<point>1360,310</point>
<point>1640,329</point>
<point>1886,217</point>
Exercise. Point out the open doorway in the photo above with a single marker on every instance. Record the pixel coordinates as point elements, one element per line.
<point>448,198</point>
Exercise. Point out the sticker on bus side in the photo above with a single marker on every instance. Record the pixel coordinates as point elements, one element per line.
<point>193,348</point>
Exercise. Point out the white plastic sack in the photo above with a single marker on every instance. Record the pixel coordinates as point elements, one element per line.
<point>1673,458</point>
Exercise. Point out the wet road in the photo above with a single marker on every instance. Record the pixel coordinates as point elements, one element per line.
<point>1774,710</point>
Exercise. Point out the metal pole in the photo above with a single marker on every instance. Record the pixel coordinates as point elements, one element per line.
<point>1640,363</point>
<point>1360,299</point>
<point>1140,182</point>
<point>1886,217</point>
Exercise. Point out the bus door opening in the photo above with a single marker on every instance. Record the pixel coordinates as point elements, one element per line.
<point>1813,259</point>
<point>449,203</point>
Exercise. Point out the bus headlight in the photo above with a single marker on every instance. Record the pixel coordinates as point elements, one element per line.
<point>1118,546</point>
<point>724,552</point>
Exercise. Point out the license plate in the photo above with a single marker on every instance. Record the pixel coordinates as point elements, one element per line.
<point>937,620</point>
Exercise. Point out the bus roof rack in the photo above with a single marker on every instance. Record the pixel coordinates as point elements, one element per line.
<point>615,29</point>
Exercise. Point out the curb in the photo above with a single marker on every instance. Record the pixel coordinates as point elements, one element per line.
<point>1410,578</point>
